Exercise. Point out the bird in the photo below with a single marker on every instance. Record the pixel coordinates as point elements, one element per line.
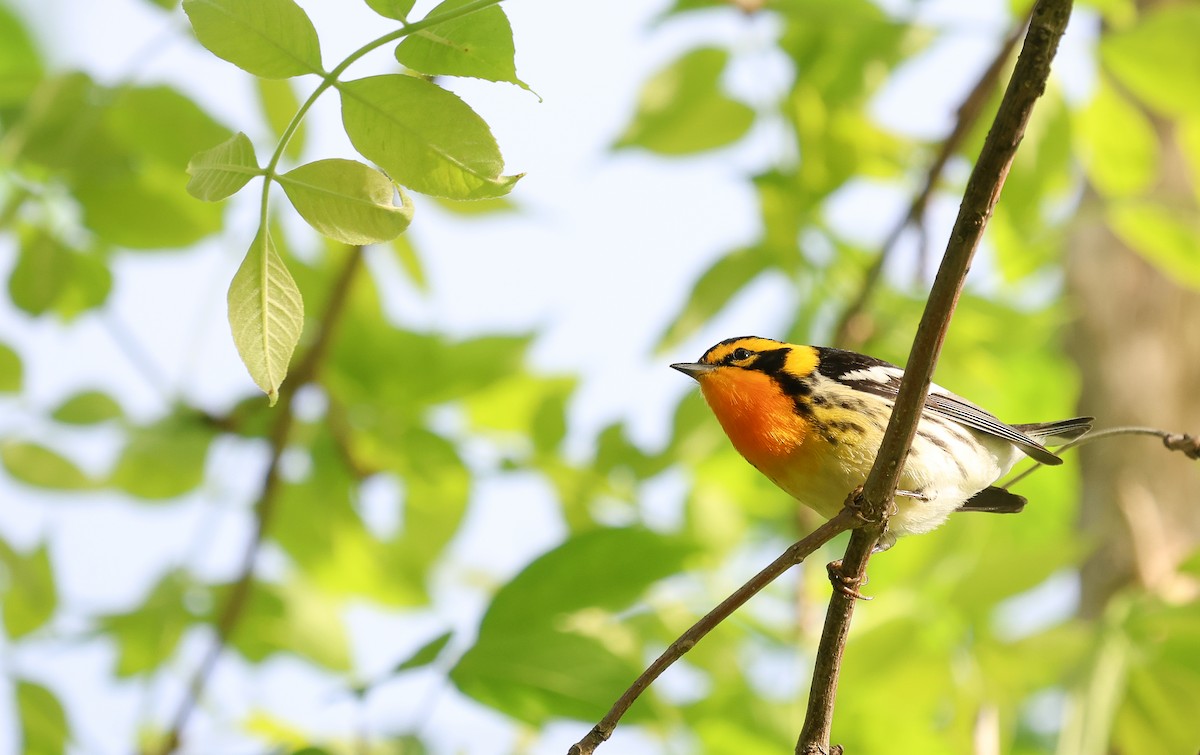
<point>811,418</point>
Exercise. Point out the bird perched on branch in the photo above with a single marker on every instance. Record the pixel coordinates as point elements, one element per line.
<point>812,418</point>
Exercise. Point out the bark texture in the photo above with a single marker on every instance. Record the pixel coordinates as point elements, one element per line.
<point>1136,339</point>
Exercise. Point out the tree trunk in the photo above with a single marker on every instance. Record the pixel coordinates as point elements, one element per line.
<point>1137,343</point>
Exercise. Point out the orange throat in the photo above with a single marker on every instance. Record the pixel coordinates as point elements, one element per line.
<point>759,418</point>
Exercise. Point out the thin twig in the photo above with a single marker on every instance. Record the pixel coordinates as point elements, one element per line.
<point>1186,444</point>
<point>235,604</point>
<point>846,334</point>
<point>1047,24</point>
<point>797,552</point>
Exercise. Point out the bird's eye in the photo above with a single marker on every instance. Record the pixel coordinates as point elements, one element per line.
<point>740,354</point>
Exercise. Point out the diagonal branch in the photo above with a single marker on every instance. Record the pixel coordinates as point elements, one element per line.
<point>797,552</point>
<point>1046,27</point>
<point>847,333</point>
<point>239,593</point>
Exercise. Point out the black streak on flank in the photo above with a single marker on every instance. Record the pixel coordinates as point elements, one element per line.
<point>944,446</point>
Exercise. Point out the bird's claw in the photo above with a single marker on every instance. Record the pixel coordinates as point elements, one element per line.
<point>845,584</point>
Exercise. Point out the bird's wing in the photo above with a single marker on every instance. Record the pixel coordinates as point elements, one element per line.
<point>881,378</point>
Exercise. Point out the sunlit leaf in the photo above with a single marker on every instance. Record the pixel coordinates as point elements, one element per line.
<point>397,9</point>
<point>41,467</point>
<point>10,370</point>
<point>1188,134</point>
<point>410,261</point>
<point>715,288</point>
<point>294,618</point>
<point>479,45</point>
<point>426,654</point>
<point>1118,142</point>
<point>1157,58</point>
<point>270,38</point>
<point>679,97</point>
<point>222,171</point>
<point>41,273</point>
<point>147,635</point>
<point>44,729</point>
<point>86,288</point>
<point>279,104</point>
<point>27,584</point>
<point>329,542</point>
<point>163,460</point>
<point>548,645</point>
<point>266,314</point>
<point>20,63</point>
<point>348,201</point>
<point>1170,240</point>
<point>125,165</point>
<point>88,408</point>
<point>425,137</point>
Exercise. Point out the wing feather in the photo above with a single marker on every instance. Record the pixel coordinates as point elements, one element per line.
<point>881,378</point>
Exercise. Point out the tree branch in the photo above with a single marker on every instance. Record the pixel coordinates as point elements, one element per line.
<point>239,593</point>
<point>846,519</point>
<point>1046,27</point>
<point>849,333</point>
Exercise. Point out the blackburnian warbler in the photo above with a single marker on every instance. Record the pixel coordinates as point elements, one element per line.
<point>811,419</point>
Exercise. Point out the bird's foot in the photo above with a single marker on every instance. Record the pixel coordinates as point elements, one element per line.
<point>845,584</point>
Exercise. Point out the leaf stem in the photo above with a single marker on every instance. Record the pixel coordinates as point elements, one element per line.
<point>331,79</point>
<point>1173,441</point>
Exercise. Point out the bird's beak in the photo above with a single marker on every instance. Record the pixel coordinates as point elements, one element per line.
<point>695,370</point>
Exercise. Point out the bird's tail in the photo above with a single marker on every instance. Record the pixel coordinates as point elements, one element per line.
<point>1056,433</point>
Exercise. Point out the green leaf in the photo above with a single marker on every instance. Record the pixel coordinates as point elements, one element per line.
<point>681,109</point>
<point>397,9</point>
<point>10,370</point>
<point>270,38</point>
<point>222,171</point>
<point>479,45</point>
<point>1168,239</point>
<point>87,287</point>
<point>41,273</point>
<point>148,635</point>
<point>279,104</point>
<point>424,137</point>
<point>41,467</point>
<point>407,255</point>
<point>1118,144</point>
<point>723,280</point>
<point>266,314</point>
<point>123,157</point>
<point>163,460</point>
<point>88,408</point>
<point>1188,135</point>
<point>294,618</point>
<point>28,589</point>
<point>166,216</point>
<point>347,201</point>
<point>548,645</point>
<point>44,729</point>
<point>20,63</point>
<point>1157,59</point>
<point>426,654</point>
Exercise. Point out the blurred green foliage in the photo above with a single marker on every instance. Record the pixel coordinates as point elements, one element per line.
<point>936,654</point>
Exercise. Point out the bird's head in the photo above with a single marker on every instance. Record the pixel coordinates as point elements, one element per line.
<point>753,386</point>
<point>753,354</point>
